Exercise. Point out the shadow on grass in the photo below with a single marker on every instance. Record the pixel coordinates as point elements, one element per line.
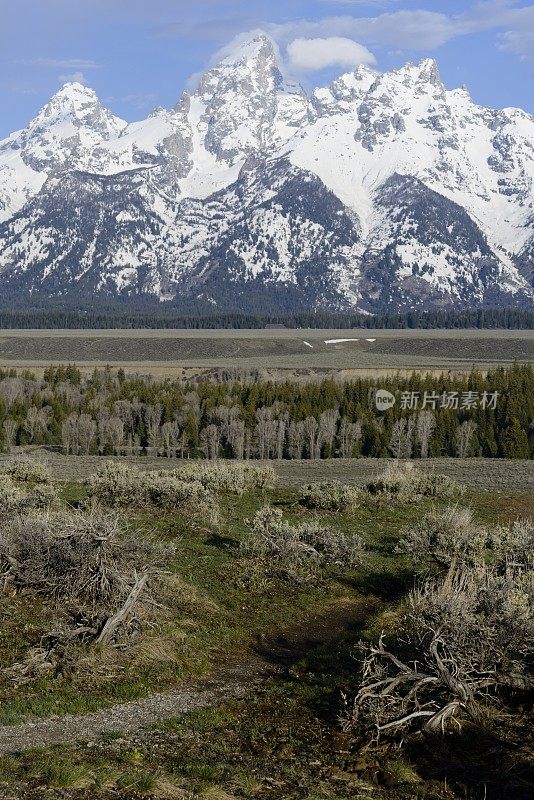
<point>319,641</point>
<point>222,542</point>
<point>389,585</point>
<point>478,764</point>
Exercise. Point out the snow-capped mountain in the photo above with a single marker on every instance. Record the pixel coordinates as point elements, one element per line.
<point>381,191</point>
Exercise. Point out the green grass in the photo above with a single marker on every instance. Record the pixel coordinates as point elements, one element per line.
<point>282,744</point>
<point>285,741</point>
<point>212,615</point>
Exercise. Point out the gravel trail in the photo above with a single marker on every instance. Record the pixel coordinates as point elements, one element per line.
<point>124,718</point>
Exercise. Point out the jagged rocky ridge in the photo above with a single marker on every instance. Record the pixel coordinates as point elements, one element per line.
<point>381,192</point>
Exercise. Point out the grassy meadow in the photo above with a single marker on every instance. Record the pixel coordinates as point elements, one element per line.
<point>294,642</point>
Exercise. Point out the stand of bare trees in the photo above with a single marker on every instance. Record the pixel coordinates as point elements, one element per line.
<point>112,414</point>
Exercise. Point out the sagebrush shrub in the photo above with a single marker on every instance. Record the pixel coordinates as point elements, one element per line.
<point>119,485</point>
<point>86,557</point>
<point>514,542</point>
<point>452,536</point>
<point>173,494</point>
<point>101,583</point>
<point>18,497</point>
<point>401,481</point>
<point>466,639</point>
<point>442,537</point>
<point>24,470</point>
<point>329,496</point>
<point>228,477</point>
<point>114,484</point>
<point>297,552</point>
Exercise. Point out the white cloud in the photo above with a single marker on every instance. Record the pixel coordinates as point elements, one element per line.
<point>386,25</point>
<point>59,63</point>
<point>74,77</point>
<point>520,42</point>
<point>232,46</point>
<point>316,54</point>
<point>422,29</point>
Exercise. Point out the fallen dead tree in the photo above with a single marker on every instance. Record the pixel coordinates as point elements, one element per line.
<point>98,577</point>
<point>466,642</point>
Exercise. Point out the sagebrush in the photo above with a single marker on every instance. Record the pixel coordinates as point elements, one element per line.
<point>18,496</point>
<point>401,481</point>
<point>88,558</point>
<point>298,552</point>
<point>119,485</point>
<point>329,496</point>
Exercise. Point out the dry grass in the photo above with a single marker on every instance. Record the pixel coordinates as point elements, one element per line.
<point>491,475</point>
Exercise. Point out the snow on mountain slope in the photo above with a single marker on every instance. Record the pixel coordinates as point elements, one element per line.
<point>247,105</point>
<point>62,135</point>
<point>380,190</point>
<point>242,106</point>
<point>104,246</point>
<point>276,226</point>
<point>406,122</point>
<point>425,249</point>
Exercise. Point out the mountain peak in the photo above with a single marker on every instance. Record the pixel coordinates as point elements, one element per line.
<point>72,97</point>
<point>66,128</point>
<point>80,104</point>
<point>362,71</point>
<point>244,100</point>
<point>75,89</point>
<point>251,59</point>
<point>249,47</point>
<point>381,191</point>
<point>426,71</point>
<point>429,70</point>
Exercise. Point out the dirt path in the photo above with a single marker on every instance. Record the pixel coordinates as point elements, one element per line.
<point>123,718</point>
<point>271,656</point>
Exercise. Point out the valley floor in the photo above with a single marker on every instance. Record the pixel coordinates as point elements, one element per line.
<point>483,474</point>
<point>280,353</point>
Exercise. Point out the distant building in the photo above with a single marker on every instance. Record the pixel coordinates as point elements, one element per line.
<point>275,327</point>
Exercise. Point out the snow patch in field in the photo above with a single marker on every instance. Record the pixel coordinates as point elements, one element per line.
<point>339,341</point>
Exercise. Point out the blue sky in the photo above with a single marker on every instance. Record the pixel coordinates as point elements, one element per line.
<point>138,54</point>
